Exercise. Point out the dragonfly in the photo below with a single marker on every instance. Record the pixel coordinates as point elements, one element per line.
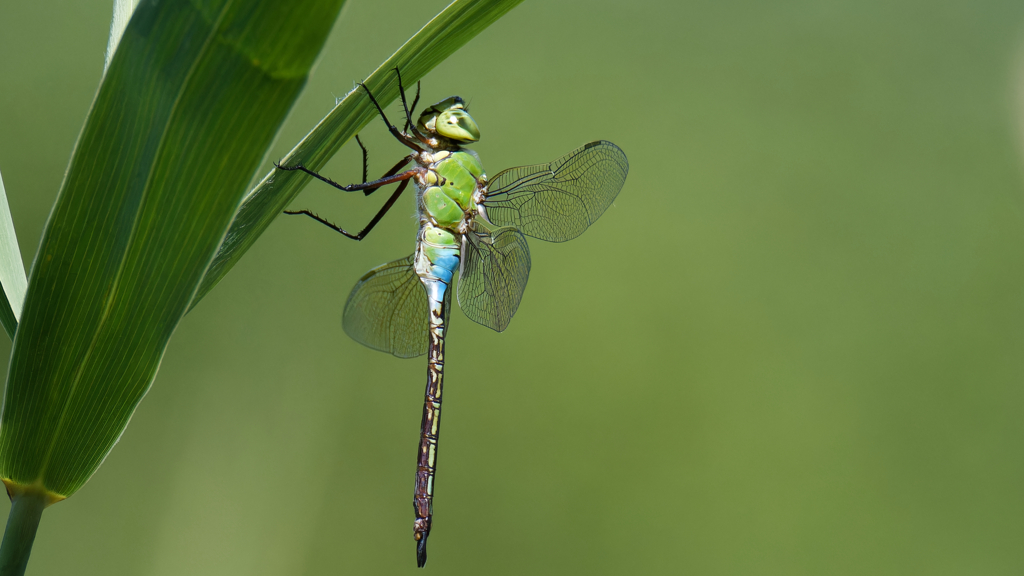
<point>468,223</point>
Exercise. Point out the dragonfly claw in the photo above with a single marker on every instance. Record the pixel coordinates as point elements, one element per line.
<point>288,168</point>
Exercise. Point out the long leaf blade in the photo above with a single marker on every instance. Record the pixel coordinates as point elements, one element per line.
<point>441,37</point>
<point>184,115</point>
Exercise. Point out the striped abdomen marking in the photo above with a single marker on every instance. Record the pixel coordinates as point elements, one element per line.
<point>426,465</point>
<point>437,259</point>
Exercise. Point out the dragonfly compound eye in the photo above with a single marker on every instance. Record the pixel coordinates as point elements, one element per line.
<point>458,125</point>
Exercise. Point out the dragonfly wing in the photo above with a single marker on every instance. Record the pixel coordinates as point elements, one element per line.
<point>387,310</point>
<point>558,201</point>
<point>495,268</point>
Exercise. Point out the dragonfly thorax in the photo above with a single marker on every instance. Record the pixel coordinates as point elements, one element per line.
<point>449,189</point>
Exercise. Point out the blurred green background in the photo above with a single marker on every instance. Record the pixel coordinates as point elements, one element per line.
<point>792,346</point>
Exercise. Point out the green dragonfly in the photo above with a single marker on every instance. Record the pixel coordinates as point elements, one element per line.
<point>470,223</point>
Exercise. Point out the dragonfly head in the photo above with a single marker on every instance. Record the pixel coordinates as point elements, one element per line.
<point>449,118</point>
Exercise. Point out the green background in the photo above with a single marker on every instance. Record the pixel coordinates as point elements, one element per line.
<point>792,345</point>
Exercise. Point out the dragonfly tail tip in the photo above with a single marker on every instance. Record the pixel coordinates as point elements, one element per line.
<point>421,552</point>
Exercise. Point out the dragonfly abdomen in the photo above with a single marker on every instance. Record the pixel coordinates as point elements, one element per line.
<point>437,258</point>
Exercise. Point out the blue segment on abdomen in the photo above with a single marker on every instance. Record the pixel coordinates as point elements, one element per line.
<point>437,258</point>
<point>444,263</point>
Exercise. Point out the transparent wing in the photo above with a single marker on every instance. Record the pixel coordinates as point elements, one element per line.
<point>558,201</point>
<point>493,275</point>
<point>387,310</point>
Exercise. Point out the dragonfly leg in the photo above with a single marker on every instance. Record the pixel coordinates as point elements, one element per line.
<point>405,106</point>
<point>415,101</point>
<point>352,187</point>
<point>370,186</point>
<point>394,170</point>
<point>366,161</point>
<point>404,139</point>
<point>366,230</point>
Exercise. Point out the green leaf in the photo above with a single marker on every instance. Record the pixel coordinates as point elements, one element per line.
<point>182,120</point>
<point>12,271</point>
<point>440,38</point>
